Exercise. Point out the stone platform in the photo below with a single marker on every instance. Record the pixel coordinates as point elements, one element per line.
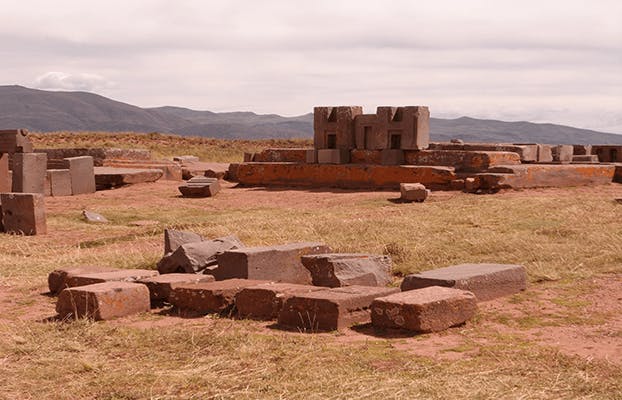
<point>109,177</point>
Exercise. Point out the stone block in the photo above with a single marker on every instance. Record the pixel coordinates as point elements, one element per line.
<point>528,152</point>
<point>82,172</point>
<point>486,281</point>
<point>264,302</point>
<point>586,159</point>
<point>196,256</point>
<point>413,192</point>
<point>365,156</point>
<point>297,155</point>
<point>311,156</point>
<point>274,263</point>
<point>209,297</point>
<point>109,177</point>
<point>232,172</point>
<point>57,279</point>
<point>562,153</point>
<point>171,170</point>
<point>5,177</point>
<point>336,270</point>
<point>608,153</point>
<point>582,149</point>
<point>392,157</point>
<point>333,127</point>
<point>160,286</point>
<point>330,309</point>
<point>200,187</point>
<point>121,275</point>
<point>430,309</point>
<point>15,141</point>
<point>23,213</point>
<point>29,171</point>
<point>457,184</point>
<point>545,153</point>
<point>60,182</point>
<point>103,301</point>
<point>185,159</point>
<point>249,157</point>
<point>333,156</point>
<point>547,175</point>
<point>462,160</point>
<point>174,238</point>
<point>472,184</point>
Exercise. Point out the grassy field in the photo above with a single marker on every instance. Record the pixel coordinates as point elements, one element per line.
<point>562,338</point>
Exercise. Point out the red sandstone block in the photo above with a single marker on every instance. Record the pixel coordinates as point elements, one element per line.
<point>589,159</point>
<point>209,297</point>
<point>344,269</point>
<point>431,309</point>
<point>527,152</point>
<point>108,177</point>
<point>298,155</point>
<point>365,156</point>
<point>486,281</point>
<point>333,156</point>
<point>5,178</point>
<point>15,141</point>
<point>57,279</point>
<point>160,286</point>
<point>562,153</point>
<point>472,161</point>
<point>200,187</point>
<point>82,172</point>
<point>29,171</point>
<point>103,301</point>
<point>23,213</point>
<point>413,192</point>
<point>330,309</point>
<point>264,302</point>
<point>121,275</point>
<point>60,182</point>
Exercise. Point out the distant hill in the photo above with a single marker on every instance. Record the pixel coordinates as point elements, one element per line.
<point>46,111</point>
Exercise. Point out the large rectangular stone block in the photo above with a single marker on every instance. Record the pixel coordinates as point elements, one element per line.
<point>343,269</point>
<point>562,153</point>
<point>209,297</point>
<point>82,172</point>
<point>103,301</point>
<point>430,309</point>
<point>264,302</point>
<point>23,213</point>
<point>121,275</point>
<point>298,155</point>
<point>486,281</point>
<point>528,152</point>
<point>60,182</point>
<point>15,141</point>
<point>57,279</point>
<point>333,156</point>
<point>5,177</point>
<point>160,286</point>
<point>275,263</point>
<point>330,309</point>
<point>29,171</point>
<point>109,177</point>
<point>468,161</point>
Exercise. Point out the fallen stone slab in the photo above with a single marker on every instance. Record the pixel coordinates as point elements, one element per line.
<point>486,281</point>
<point>430,309</point>
<point>23,213</point>
<point>527,152</point>
<point>346,176</point>
<point>15,141</point>
<point>336,270</point>
<point>121,275</point>
<point>330,309</point>
<point>200,187</point>
<point>174,238</point>
<point>274,263</point>
<point>57,279</point>
<point>103,301</point>
<point>204,169</point>
<point>93,217</point>
<point>109,177</point>
<point>298,155</point>
<point>413,192</point>
<point>467,161</point>
<point>196,256</point>
<point>171,171</point>
<point>209,297</point>
<point>264,302</point>
<point>160,286</point>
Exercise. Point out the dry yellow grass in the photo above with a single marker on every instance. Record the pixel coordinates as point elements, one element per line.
<point>567,239</point>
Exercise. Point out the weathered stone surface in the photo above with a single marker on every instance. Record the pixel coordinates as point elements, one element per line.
<point>392,157</point>
<point>15,141</point>
<point>311,156</point>
<point>209,297</point>
<point>333,156</point>
<point>330,309</point>
<point>342,269</point>
<point>468,161</point>
<point>204,169</point>
<point>82,172</point>
<point>486,281</point>
<point>171,171</point>
<point>533,176</point>
<point>23,213</point>
<point>60,182</point>
<point>232,172</point>
<point>527,152</point>
<point>160,286</point>
<point>333,127</point>
<point>29,171</point>
<point>608,153</point>
<point>57,279</point>
<point>562,153</point>
<point>5,177</point>
<point>196,256</point>
<point>274,263</point>
<point>200,187</point>
<point>457,184</point>
<point>582,149</point>
<point>430,309</point>
<point>186,159</point>
<point>366,156</point>
<point>109,177</point>
<point>617,177</point>
<point>99,154</point>
<point>472,184</point>
<point>413,192</point>
<point>264,302</point>
<point>93,217</point>
<point>545,153</point>
<point>121,275</point>
<point>350,176</point>
<point>406,128</point>
<point>174,238</point>
<point>103,301</point>
<point>298,155</point>
<point>590,159</point>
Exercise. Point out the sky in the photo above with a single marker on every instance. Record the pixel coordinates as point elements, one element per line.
<point>542,61</point>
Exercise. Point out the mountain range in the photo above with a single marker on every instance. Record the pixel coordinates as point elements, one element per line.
<point>47,111</point>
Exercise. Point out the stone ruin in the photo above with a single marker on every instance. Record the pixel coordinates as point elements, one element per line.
<point>299,286</point>
<point>353,150</point>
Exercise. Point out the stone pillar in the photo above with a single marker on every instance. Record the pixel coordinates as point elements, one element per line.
<point>23,213</point>
<point>5,180</point>
<point>29,171</point>
<point>82,174</point>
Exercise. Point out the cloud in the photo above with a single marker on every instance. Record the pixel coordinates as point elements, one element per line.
<point>62,81</point>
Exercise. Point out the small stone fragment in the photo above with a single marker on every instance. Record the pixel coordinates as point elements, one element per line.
<point>94,217</point>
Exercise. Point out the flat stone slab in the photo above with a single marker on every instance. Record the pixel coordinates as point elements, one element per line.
<point>486,281</point>
<point>346,176</point>
<point>57,279</point>
<point>274,263</point>
<point>346,269</point>
<point>209,297</point>
<point>416,192</point>
<point>200,187</point>
<point>160,286</point>
<point>109,177</point>
<point>121,275</point>
<point>330,309</point>
<point>171,171</point>
<point>103,301</point>
<point>430,309</point>
<point>264,302</point>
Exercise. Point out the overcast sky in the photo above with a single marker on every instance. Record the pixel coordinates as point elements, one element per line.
<point>543,61</point>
